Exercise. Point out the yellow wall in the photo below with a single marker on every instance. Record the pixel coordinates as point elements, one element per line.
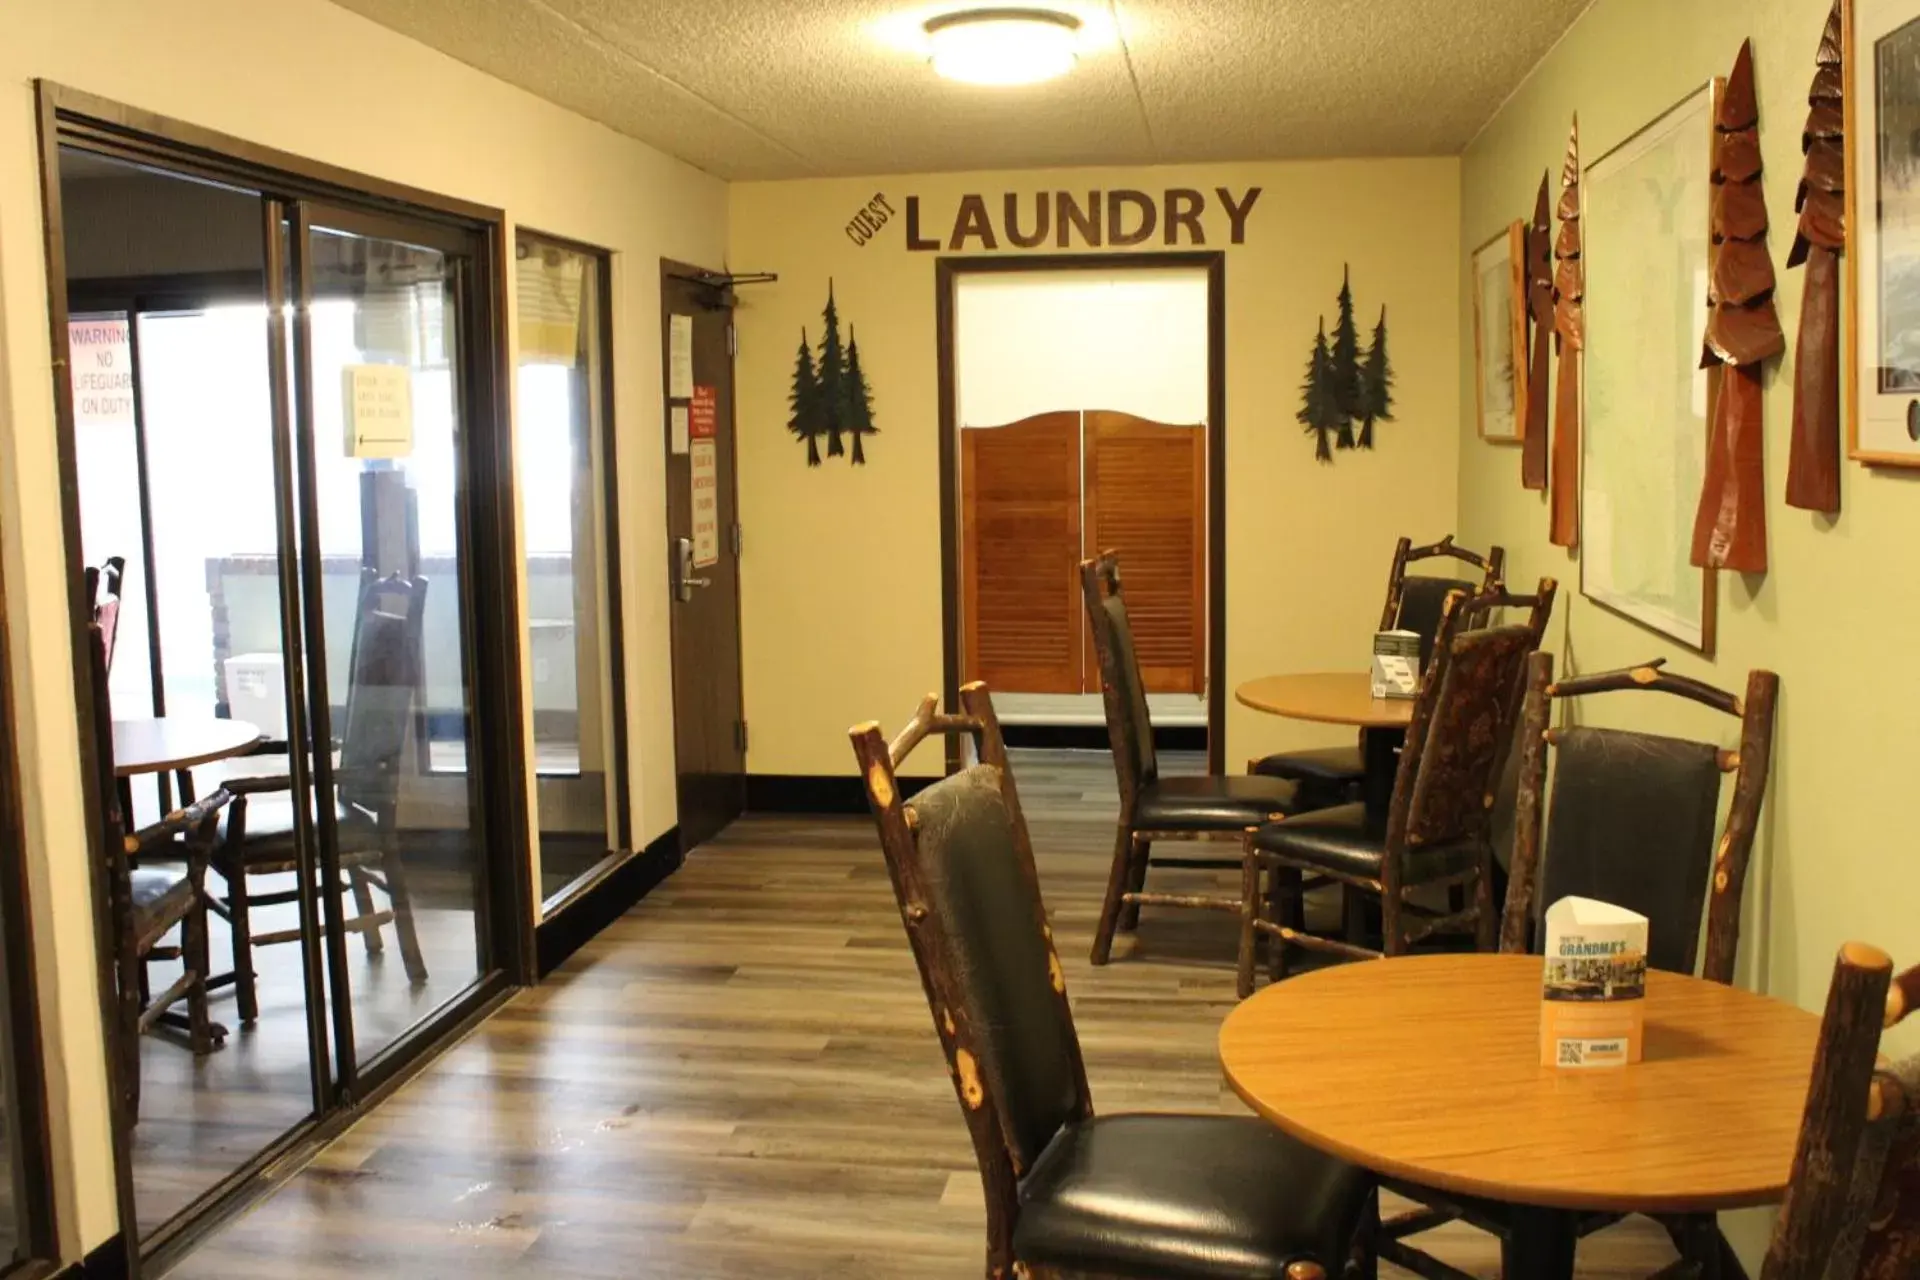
<point>841,573</point>
<point>309,78</point>
<point>1834,857</point>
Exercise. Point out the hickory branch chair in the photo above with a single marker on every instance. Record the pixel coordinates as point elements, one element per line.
<point>1413,604</point>
<point>147,903</point>
<point>1852,1210</point>
<point>1152,807</point>
<point>1631,821</point>
<point>385,716</point>
<point>1070,1194</point>
<point>1436,832</point>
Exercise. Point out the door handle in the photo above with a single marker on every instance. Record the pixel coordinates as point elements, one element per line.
<point>684,580</point>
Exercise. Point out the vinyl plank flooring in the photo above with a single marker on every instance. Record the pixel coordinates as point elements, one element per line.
<point>740,1078</point>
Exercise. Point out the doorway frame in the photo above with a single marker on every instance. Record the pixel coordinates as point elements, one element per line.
<point>67,116</point>
<point>948,270</point>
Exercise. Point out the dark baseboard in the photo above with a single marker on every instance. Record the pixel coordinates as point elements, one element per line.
<point>606,900</point>
<point>105,1261</point>
<point>802,793</point>
<point>1093,737</point>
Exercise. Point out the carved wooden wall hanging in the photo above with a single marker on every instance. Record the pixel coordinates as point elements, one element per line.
<point>830,395</point>
<point>1743,331</point>
<point>1533,441</point>
<point>1813,461</point>
<point>1570,338</point>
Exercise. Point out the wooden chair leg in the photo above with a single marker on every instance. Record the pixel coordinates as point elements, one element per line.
<point>1486,929</point>
<point>1249,912</point>
<point>403,925</point>
<point>1119,876</point>
<point>195,959</point>
<point>246,996</point>
<point>1136,882</point>
<point>363,903</point>
<point>1290,908</point>
<point>1392,941</point>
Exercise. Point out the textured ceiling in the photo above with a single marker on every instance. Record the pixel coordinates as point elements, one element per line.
<point>800,88</point>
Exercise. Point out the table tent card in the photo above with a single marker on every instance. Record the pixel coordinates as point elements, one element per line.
<point>1593,1007</point>
<point>1396,664</point>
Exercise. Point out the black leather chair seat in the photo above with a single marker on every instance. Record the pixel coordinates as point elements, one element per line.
<point>1211,804</point>
<point>1186,1196</point>
<point>1337,765</point>
<point>1349,839</point>
<point>153,884</point>
<point>268,842</point>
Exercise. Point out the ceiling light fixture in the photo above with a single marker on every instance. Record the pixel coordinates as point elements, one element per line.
<point>1003,46</point>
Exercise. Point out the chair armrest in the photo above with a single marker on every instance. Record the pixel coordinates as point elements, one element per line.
<point>198,816</point>
<point>267,782</point>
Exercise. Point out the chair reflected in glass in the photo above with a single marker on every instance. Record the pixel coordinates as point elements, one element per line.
<point>156,881</point>
<point>383,734</point>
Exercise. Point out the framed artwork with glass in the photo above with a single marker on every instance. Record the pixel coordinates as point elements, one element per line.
<point>1881,64</point>
<point>1500,335</point>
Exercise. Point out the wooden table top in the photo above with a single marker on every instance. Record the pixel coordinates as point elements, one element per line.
<point>1330,697</point>
<point>177,742</point>
<point>1427,1068</point>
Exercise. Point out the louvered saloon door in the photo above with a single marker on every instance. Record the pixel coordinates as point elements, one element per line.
<point>1020,549</point>
<point>1146,488</point>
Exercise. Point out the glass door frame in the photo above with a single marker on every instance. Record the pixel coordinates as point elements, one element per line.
<point>294,188</point>
<point>620,831</point>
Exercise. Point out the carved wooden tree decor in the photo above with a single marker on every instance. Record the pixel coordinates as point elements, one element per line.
<point>1813,462</point>
<point>1539,267</point>
<point>1743,331</point>
<point>1570,338</point>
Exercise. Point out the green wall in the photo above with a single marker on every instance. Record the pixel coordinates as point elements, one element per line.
<point>1836,858</point>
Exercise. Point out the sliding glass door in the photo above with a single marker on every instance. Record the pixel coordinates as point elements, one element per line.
<point>379,425</point>
<point>570,540</point>
<point>285,430</point>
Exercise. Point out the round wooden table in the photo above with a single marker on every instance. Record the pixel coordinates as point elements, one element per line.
<point>167,743</point>
<point>1341,697</point>
<point>1427,1069</point>
<point>1328,697</point>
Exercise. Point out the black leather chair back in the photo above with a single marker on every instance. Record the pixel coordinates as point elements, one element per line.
<point>1136,725</point>
<point>985,907</point>
<point>1421,599</point>
<point>1632,823</point>
<point>1129,727</point>
<point>384,689</point>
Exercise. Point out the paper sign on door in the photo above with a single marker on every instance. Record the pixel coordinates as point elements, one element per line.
<point>706,412</point>
<point>679,357</point>
<point>705,473</point>
<point>379,410</point>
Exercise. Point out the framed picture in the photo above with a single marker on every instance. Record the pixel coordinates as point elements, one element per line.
<point>1644,225</point>
<point>1882,342</point>
<point>1500,334</point>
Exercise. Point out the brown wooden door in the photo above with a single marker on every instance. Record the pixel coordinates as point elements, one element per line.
<point>709,728</point>
<point>1146,498</point>
<point>1020,554</point>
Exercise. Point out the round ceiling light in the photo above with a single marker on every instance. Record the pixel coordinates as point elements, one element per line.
<point>1003,46</point>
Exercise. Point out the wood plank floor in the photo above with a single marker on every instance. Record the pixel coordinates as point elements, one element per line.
<point>740,1078</point>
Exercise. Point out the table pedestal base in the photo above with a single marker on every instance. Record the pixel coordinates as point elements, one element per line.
<point>1539,1245</point>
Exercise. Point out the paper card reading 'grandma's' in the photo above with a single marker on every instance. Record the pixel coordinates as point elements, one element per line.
<point>1593,999</point>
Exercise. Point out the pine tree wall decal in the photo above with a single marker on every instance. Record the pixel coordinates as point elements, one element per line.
<point>806,421</point>
<point>1346,364</point>
<point>1320,414</point>
<point>833,377</point>
<point>1376,384</point>
<point>859,421</point>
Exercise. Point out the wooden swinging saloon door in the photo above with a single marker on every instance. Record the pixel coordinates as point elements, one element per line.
<point>1041,494</point>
